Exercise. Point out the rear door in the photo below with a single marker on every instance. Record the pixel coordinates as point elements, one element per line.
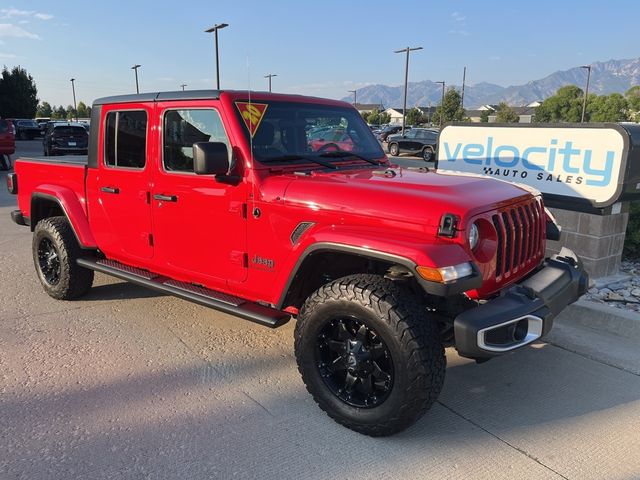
<point>7,138</point>
<point>119,193</point>
<point>199,222</point>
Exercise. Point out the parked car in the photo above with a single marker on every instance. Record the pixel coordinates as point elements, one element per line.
<point>26,129</point>
<point>42,123</point>
<point>330,140</point>
<point>390,130</point>
<point>67,137</point>
<point>417,141</point>
<point>7,143</point>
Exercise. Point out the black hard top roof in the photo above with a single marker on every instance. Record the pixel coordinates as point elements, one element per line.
<point>160,96</point>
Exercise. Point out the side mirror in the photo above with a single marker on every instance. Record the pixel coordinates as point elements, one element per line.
<point>210,158</point>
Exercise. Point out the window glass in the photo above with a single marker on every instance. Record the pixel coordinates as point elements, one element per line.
<point>70,131</point>
<point>110,139</point>
<point>4,126</point>
<point>183,128</point>
<point>410,134</point>
<point>126,139</point>
<point>291,132</point>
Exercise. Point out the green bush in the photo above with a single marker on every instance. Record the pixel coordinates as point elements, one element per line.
<point>632,240</point>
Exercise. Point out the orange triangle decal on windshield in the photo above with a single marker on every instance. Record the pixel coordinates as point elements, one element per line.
<point>252,114</point>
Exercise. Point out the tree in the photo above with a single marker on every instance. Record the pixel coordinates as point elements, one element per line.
<point>451,109</point>
<point>564,106</point>
<point>484,116</point>
<point>415,117</point>
<point>608,108</point>
<point>83,110</point>
<point>377,117</point>
<point>71,113</point>
<point>18,94</point>
<point>59,113</point>
<point>44,110</point>
<point>633,97</point>
<point>506,114</point>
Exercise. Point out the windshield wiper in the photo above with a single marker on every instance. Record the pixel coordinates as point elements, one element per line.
<point>285,158</point>
<point>349,154</point>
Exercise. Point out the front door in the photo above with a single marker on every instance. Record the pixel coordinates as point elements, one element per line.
<point>120,212</point>
<point>199,222</point>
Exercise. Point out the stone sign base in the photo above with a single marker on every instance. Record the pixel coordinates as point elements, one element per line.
<point>597,239</point>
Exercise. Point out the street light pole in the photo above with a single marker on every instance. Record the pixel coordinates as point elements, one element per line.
<point>182,86</point>
<point>215,29</point>
<point>586,91</point>
<point>441,103</point>
<point>406,82</point>
<point>135,69</point>
<point>75,106</point>
<point>464,77</point>
<point>270,76</point>
<point>355,96</point>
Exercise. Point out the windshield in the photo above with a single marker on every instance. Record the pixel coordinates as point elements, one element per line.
<point>287,132</point>
<point>28,123</point>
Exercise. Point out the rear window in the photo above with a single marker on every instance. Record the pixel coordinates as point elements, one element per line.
<point>126,139</point>
<point>28,123</point>
<point>4,126</point>
<point>66,130</point>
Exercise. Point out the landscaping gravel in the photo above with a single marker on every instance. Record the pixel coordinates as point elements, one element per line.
<point>623,292</point>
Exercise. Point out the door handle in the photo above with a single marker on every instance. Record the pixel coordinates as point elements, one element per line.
<point>110,190</point>
<point>165,198</point>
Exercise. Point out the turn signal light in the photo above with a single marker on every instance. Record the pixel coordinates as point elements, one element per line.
<point>445,274</point>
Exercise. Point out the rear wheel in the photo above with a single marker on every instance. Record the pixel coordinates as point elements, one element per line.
<point>369,355</point>
<point>55,252</point>
<point>427,154</point>
<point>394,150</point>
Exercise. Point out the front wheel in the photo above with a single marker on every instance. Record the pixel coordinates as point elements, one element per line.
<point>394,150</point>
<point>369,355</point>
<point>55,252</point>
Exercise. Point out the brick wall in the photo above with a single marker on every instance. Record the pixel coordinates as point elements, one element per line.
<point>597,239</point>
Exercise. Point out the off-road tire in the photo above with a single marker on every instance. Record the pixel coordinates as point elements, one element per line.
<point>427,154</point>
<point>74,281</point>
<point>412,338</point>
<point>394,150</point>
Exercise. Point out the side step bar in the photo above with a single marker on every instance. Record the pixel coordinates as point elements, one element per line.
<point>254,312</point>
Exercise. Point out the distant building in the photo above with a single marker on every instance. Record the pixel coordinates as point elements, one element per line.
<point>368,107</point>
<point>525,113</point>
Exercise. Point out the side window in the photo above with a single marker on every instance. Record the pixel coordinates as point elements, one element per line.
<point>126,139</point>
<point>4,126</point>
<point>183,128</point>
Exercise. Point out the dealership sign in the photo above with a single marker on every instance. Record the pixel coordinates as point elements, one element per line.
<point>580,164</point>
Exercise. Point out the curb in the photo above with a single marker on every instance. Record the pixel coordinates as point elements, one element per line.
<point>601,317</point>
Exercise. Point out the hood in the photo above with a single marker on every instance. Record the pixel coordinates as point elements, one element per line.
<point>410,195</point>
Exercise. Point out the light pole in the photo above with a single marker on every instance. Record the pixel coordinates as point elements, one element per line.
<point>215,29</point>
<point>270,76</point>
<point>182,86</point>
<point>355,97</point>
<point>406,82</point>
<point>135,69</point>
<point>464,77</point>
<point>586,91</point>
<point>73,88</point>
<point>441,103</point>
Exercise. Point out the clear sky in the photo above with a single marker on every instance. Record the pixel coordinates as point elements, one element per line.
<point>322,48</point>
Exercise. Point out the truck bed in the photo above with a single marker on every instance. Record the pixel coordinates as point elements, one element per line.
<point>50,176</point>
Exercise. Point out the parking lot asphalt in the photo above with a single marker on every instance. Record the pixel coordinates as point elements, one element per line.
<point>127,383</point>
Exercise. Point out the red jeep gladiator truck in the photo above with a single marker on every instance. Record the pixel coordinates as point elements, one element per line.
<point>235,201</point>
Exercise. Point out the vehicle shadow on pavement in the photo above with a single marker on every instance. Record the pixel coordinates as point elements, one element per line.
<point>119,291</point>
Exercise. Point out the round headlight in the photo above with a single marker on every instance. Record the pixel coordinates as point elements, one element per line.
<point>474,236</point>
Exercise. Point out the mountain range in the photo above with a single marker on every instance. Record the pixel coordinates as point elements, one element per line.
<point>606,77</point>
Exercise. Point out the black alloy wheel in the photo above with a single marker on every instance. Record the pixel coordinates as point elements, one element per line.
<point>354,362</point>
<point>49,261</point>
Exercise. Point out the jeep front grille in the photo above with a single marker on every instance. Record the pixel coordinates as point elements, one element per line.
<point>520,230</point>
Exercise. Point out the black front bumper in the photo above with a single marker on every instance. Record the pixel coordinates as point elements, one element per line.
<point>523,313</point>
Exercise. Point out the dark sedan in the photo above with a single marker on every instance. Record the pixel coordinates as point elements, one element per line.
<point>62,138</point>
<point>417,141</point>
<point>26,129</point>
